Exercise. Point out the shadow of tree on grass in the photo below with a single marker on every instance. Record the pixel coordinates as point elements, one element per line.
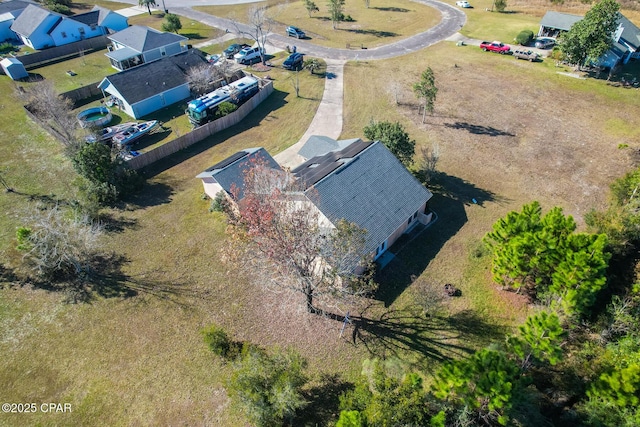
<point>375,33</point>
<point>323,401</point>
<point>391,9</point>
<point>477,129</point>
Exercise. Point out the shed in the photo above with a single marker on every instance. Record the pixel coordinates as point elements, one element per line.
<point>13,68</point>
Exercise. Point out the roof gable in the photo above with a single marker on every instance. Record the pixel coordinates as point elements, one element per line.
<point>142,82</point>
<point>317,145</point>
<point>364,184</point>
<point>229,173</point>
<point>630,33</point>
<point>31,18</point>
<point>143,39</point>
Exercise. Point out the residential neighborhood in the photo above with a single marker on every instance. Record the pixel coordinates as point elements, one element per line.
<point>230,213</point>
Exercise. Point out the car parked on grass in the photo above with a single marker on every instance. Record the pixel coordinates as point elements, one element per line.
<point>294,61</point>
<point>463,4</point>
<point>295,32</point>
<point>233,49</point>
<point>495,46</point>
<point>545,42</point>
<point>529,55</point>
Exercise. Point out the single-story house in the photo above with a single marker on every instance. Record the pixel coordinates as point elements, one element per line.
<point>228,174</point>
<point>137,45</point>
<point>9,11</point>
<point>626,39</point>
<point>13,68</point>
<point>366,184</point>
<point>143,90</point>
<point>41,28</point>
<point>363,183</point>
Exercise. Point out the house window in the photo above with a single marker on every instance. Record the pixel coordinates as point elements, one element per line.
<point>163,51</point>
<point>415,215</point>
<point>81,30</point>
<point>64,35</point>
<point>93,26</point>
<point>409,222</point>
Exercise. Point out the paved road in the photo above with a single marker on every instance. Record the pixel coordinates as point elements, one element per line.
<point>452,20</point>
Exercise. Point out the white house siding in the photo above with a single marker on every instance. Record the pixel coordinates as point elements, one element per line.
<point>211,187</point>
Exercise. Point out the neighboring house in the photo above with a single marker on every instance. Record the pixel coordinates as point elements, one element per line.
<point>40,28</point>
<point>150,87</point>
<point>137,45</point>
<point>366,184</point>
<point>110,20</point>
<point>228,175</point>
<point>9,11</point>
<point>626,39</point>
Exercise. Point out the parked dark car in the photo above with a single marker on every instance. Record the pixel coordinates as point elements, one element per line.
<point>294,61</point>
<point>233,49</point>
<point>295,32</point>
<point>545,43</point>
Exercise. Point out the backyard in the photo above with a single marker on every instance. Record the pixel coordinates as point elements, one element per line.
<point>134,354</point>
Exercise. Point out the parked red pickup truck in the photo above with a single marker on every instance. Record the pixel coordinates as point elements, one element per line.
<point>495,47</point>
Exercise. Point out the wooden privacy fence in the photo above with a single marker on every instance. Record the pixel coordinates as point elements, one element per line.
<point>51,54</point>
<point>202,132</point>
<point>82,93</point>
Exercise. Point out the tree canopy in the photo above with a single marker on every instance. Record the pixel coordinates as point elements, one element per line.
<point>589,38</point>
<point>426,90</point>
<point>171,23</point>
<point>394,137</point>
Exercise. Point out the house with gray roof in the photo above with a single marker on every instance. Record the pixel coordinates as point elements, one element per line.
<point>366,184</point>
<point>9,11</point>
<point>626,38</point>
<point>228,175</point>
<point>137,45</point>
<point>41,28</point>
<point>143,90</point>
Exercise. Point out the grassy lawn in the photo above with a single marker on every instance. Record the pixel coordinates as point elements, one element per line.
<point>194,30</point>
<point>508,132</point>
<point>384,22</point>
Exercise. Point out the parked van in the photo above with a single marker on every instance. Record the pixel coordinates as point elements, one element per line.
<point>248,55</point>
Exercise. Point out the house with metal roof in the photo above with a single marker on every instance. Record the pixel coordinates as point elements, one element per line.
<point>41,28</point>
<point>626,38</point>
<point>9,11</point>
<point>366,184</point>
<point>143,90</point>
<point>228,174</point>
<point>137,45</point>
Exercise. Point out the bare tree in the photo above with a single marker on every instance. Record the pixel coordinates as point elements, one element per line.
<point>57,246</point>
<point>259,27</point>
<point>428,160</point>
<point>43,101</point>
<point>426,89</point>
<point>201,78</point>
<point>279,233</point>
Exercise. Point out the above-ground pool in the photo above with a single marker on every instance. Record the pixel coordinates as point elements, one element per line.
<point>97,116</point>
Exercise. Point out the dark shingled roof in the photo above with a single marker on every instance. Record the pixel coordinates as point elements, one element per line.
<point>143,39</point>
<point>86,18</point>
<point>103,12</point>
<point>364,184</point>
<point>230,171</point>
<point>30,18</point>
<point>147,80</point>
<point>11,6</point>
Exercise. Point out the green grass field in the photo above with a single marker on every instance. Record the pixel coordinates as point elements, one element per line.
<point>134,355</point>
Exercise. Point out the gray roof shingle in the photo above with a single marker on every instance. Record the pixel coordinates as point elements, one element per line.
<point>87,18</point>
<point>147,80</point>
<point>230,171</point>
<point>369,187</point>
<point>30,19</point>
<point>143,39</point>
<point>561,21</point>
<point>12,6</point>
<point>630,33</point>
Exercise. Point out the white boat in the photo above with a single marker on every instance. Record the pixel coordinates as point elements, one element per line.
<point>131,134</point>
<point>109,132</point>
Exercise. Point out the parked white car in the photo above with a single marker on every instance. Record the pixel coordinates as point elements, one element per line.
<point>248,55</point>
<point>463,4</point>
